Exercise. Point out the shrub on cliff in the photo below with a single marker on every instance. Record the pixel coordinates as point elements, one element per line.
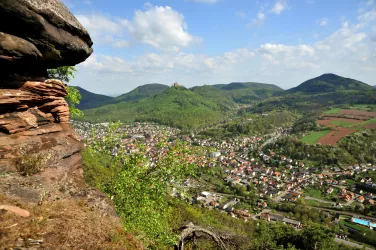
<point>140,190</point>
<point>30,164</point>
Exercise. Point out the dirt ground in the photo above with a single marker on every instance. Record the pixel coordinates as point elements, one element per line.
<point>372,125</point>
<point>63,224</point>
<point>357,113</point>
<point>346,115</point>
<point>333,137</point>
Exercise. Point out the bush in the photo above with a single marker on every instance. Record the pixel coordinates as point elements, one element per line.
<point>31,164</point>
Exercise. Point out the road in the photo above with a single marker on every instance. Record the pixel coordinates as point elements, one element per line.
<point>350,244</point>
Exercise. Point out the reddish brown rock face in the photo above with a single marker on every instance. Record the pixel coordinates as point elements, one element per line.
<point>34,116</point>
<point>34,119</point>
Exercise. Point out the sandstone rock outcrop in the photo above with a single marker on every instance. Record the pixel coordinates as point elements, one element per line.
<point>40,155</point>
<point>36,35</point>
<point>40,34</point>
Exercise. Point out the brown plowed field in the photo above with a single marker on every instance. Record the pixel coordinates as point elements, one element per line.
<point>346,115</point>
<point>357,112</point>
<point>336,135</point>
<point>372,125</point>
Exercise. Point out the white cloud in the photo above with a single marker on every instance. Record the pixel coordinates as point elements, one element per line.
<point>349,51</point>
<point>160,27</point>
<point>103,30</point>
<point>259,20</point>
<point>279,7</point>
<point>323,21</point>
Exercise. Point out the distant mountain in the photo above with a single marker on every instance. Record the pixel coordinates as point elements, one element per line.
<point>329,83</point>
<point>176,106</point>
<point>251,85</point>
<point>241,92</point>
<point>142,92</point>
<point>91,100</point>
<point>319,93</point>
<point>374,86</point>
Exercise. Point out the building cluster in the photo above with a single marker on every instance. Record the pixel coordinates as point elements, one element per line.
<point>244,162</point>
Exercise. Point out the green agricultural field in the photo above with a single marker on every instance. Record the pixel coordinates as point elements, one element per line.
<point>366,122</point>
<point>314,136</point>
<point>342,123</point>
<point>365,107</point>
<point>332,111</point>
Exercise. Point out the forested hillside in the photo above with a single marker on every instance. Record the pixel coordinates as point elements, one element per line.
<point>176,106</point>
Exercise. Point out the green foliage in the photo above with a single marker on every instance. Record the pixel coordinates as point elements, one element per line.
<point>307,123</point>
<point>308,102</point>
<point>361,145</point>
<point>239,92</point>
<point>140,191</point>
<point>73,98</point>
<point>30,164</point>
<point>258,125</point>
<point>362,234</point>
<point>313,137</point>
<point>65,74</point>
<point>321,154</point>
<point>97,167</point>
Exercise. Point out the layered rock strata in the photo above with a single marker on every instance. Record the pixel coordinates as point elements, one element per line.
<point>36,35</point>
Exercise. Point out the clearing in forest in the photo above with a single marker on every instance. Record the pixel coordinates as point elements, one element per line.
<point>342,122</point>
<point>314,136</point>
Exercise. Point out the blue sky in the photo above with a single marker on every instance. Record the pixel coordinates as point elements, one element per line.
<point>196,42</point>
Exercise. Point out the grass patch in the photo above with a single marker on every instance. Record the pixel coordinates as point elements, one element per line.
<point>350,181</point>
<point>342,123</point>
<point>320,193</point>
<point>366,122</point>
<point>314,136</point>
<point>332,111</point>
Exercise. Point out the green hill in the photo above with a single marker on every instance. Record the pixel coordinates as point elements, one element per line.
<point>176,106</point>
<point>320,92</point>
<point>239,92</point>
<point>250,85</point>
<point>91,100</point>
<point>329,83</point>
<point>142,92</point>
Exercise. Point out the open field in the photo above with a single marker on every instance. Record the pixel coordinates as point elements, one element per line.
<point>334,136</point>
<point>314,136</point>
<point>343,122</point>
<point>332,111</point>
<point>357,114</point>
<point>369,124</point>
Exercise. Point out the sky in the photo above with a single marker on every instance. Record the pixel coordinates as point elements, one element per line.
<point>198,42</point>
